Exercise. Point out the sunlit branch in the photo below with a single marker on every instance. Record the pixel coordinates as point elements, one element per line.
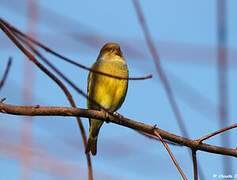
<point>152,137</point>
<point>222,130</point>
<point>123,121</point>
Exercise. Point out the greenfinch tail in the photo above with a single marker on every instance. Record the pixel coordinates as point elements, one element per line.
<point>93,136</point>
<point>92,145</point>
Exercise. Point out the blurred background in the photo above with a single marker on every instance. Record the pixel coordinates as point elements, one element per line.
<point>197,45</point>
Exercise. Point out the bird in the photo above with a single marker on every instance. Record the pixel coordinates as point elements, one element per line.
<point>104,92</point>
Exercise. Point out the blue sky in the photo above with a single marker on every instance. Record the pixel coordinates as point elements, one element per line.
<point>122,153</point>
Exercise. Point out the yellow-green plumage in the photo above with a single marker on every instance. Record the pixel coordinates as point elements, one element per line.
<point>108,92</point>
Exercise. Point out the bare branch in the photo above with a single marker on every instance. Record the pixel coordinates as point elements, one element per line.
<point>152,137</point>
<point>200,140</point>
<point>102,115</point>
<point>6,72</point>
<point>172,156</point>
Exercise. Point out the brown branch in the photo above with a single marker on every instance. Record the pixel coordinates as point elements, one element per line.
<point>195,167</point>
<point>31,57</point>
<point>152,137</point>
<point>6,72</point>
<point>123,121</point>
<point>200,140</point>
<point>60,56</point>
<point>171,155</point>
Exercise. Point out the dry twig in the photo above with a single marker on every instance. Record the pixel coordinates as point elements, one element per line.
<point>200,140</point>
<point>171,155</point>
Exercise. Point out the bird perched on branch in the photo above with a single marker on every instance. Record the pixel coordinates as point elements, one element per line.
<point>107,92</point>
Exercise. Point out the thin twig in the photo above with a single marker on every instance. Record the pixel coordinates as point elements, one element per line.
<point>195,167</point>
<point>31,57</point>
<point>6,72</point>
<point>200,140</point>
<point>171,155</point>
<point>60,56</point>
<point>152,137</point>
<point>123,121</point>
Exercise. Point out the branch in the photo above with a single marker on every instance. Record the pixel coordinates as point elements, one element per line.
<point>6,72</point>
<point>200,140</point>
<point>152,137</point>
<point>172,156</point>
<point>123,121</point>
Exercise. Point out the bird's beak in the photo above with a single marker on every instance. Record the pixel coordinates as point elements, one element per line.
<point>119,52</point>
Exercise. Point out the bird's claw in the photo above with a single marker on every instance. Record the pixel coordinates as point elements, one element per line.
<point>106,115</point>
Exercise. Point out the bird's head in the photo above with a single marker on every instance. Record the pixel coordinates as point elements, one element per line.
<point>111,49</point>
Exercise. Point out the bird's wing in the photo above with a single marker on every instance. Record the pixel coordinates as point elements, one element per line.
<point>90,80</point>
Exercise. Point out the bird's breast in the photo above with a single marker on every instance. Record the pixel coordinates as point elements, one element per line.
<point>107,91</point>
